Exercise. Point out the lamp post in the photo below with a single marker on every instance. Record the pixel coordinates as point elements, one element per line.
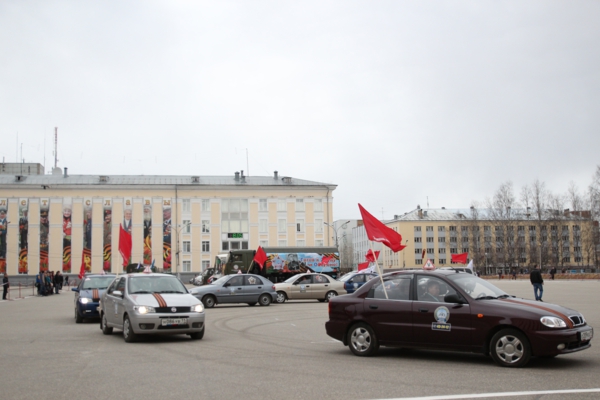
<point>184,225</point>
<point>335,232</point>
<point>404,263</point>
<point>486,264</point>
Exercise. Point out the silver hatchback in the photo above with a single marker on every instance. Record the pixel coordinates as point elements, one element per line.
<point>146,303</point>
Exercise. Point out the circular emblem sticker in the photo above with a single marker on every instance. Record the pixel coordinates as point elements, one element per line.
<point>441,314</point>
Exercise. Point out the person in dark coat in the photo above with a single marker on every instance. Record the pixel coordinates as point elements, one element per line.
<point>5,286</point>
<point>538,283</point>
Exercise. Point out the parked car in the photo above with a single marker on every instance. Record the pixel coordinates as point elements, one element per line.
<point>236,288</point>
<point>354,280</point>
<point>197,280</point>
<point>150,303</point>
<point>450,310</point>
<point>309,286</point>
<point>88,293</point>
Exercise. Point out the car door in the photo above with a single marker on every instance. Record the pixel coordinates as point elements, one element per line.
<point>114,304</point>
<point>320,286</point>
<point>233,290</point>
<point>253,287</point>
<point>390,316</point>
<point>300,289</point>
<point>436,323</point>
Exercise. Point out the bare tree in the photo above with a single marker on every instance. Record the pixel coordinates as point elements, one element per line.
<point>503,212</point>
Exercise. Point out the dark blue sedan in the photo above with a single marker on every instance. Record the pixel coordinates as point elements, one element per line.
<point>354,280</point>
<point>87,295</point>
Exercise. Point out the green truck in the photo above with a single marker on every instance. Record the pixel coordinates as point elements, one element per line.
<point>282,262</point>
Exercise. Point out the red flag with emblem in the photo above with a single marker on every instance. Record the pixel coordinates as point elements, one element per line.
<point>460,258</point>
<point>260,257</point>
<point>378,232</point>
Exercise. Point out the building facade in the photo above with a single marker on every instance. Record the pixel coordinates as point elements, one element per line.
<point>61,221</point>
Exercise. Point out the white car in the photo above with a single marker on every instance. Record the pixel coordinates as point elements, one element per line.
<point>147,303</point>
<point>309,286</point>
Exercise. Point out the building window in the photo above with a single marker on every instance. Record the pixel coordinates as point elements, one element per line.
<point>187,246</point>
<point>429,240</point>
<point>453,229</point>
<point>417,229</point>
<point>299,204</point>
<point>453,239</point>
<point>205,205</point>
<point>186,226</point>
<point>318,205</point>
<point>185,206</point>
<point>186,266</point>
<point>205,265</point>
<point>417,240</point>
<point>465,239</point>
<point>441,229</point>
<point>300,243</point>
<point>429,228</point>
<point>418,251</point>
<point>441,250</point>
<point>318,225</point>
<point>441,240</point>
<point>224,245</point>
<point>576,228</point>
<point>429,251</point>
<point>262,205</point>
<point>442,261</point>
<point>299,225</point>
<point>281,225</point>
<point>453,250</point>
<point>418,261</point>
<point>521,228</point>
<point>205,246</point>
<point>319,242</point>
<point>487,228</point>
<point>465,250</point>
<point>281,205</point>
<point>262,226</point>
<point>464,228</point>
<point>205,226</point>
<point>263,243</point>
<point>282,243</point>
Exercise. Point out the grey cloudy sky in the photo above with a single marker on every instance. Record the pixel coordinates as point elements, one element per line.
<point>396,102</point>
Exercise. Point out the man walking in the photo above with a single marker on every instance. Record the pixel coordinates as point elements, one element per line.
<point>538,283</point>
<point>5,286</point>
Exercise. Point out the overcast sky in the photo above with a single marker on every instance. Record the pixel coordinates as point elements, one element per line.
<point>399,103</point>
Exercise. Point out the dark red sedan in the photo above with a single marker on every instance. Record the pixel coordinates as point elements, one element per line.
<point>452,310</point>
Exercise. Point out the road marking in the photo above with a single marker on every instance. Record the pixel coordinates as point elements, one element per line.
<point>502,394</point>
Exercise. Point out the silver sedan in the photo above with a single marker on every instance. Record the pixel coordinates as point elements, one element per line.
<point>146,303</point>
<point>237,288</point>
<point>309,286</point>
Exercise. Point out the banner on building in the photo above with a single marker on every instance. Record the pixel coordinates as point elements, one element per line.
<point>67,226</point>
<point>147,232</point>
<point>44,232</point>
<point>23,231</point>
<point>167,235</point>
<point>3,232</point>
<point>107,234</point>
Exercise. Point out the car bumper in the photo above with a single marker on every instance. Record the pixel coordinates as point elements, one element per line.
<point>336,329</point>
<point>89,310</point>
<point>546,343</point>
<point>153,323</point>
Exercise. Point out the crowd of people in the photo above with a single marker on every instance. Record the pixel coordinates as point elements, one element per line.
<point>50,282</point>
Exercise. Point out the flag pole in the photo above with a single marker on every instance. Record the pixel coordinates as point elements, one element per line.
<point>379,271</point>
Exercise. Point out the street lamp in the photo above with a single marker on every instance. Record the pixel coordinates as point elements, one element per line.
<point>404,263</point>
<point>335,230</point>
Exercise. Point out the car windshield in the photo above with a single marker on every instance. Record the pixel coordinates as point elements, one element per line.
<point>291,279</point>
<point>100,282</point>
<point>346,277</point>
<point>477,288</point>
<point>155,284</point>
<point>220,281</point>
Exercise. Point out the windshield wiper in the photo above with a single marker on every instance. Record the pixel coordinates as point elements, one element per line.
<point>486,298</point>
<point>141,292</point>
<point>170,291</point>
<point>504,296</point>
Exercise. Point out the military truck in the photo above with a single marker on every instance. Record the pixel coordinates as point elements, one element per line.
<point>282,262</point>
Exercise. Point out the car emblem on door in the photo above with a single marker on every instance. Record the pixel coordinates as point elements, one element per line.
<point>173,309</point>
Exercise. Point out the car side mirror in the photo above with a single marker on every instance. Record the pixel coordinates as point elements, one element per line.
<point>75,289</point>
<point>454,298</point>
<point>117,293</point>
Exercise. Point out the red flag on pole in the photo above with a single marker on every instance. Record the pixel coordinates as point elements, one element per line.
<point>124,245</point>
<point>460,258</point>
<point>372,257</point>
<point>363,266</point>
<point>378,232</point>
<point>82,269</point>
<point>260,257</point>
<point>423,255</point>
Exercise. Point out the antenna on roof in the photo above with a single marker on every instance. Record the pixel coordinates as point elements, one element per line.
<point>427,201</point>
<point>55,147</point>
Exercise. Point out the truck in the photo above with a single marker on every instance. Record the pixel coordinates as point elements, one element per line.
<point>282,262</point>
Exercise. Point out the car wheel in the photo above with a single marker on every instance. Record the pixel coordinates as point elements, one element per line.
<point>251,304</point>
<point>78,318</point>
<point>128,333</point>
<point>510,348</point>
<point>197,335</point>
<point>209,301</point>
<point>330,295</point>
<point>103,325</point>
<point>264,299</point>
<point>281,297</point>
<point>362,340</point>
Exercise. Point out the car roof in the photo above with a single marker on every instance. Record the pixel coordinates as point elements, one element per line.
<point>138,274</point>
<point>98,275</point>
<point>426,272</point>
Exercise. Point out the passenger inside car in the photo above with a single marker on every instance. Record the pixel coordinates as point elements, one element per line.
<point>432,293</point>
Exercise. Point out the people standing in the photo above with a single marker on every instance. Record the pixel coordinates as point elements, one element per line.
<point>5,286</point>
<point>538,283</point>
<point>552,273</point>
<point>58,282</point>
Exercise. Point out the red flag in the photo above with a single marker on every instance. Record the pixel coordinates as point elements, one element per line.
<point>260,257</point>
<point>82,269</point>
<point>124,245</point>
<point>460,258</point>
<point>423,255</point>
<point>363,266</point>
<point>378,232</point>
<point>372,257</point>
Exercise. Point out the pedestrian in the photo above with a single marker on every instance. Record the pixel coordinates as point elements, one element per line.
<point>538,283</point>
<point>552,273</point>
<point>5,286</point>
<point>67,281</point>
<point>58,282</point>
<point>514,274</point>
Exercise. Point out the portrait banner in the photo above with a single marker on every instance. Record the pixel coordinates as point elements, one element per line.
<point>166,235</point>
<point>23,230</point>
<point>147,231</point>
<point>87,223</point>
<point>67,226</point>
<point>127,214</point>
<point>44,231</point>
<point>3,233</point>
<point>107,229</point>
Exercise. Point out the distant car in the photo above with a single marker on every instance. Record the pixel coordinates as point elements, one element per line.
<point>150,303</point>
<point>354,280</point>
<point>236,288</point>
<point>456,311</point>
<point>197,280</point>
<point>309,286</point>
<point>88,294</point>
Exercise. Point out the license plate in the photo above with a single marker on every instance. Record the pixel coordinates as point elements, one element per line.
<point>173,321</point>
<point>587,335</point>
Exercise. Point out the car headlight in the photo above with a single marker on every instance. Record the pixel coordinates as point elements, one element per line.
<point>553,322</point>
<point>197,308</point>
<point>84,300</point>
<point>144,309</point>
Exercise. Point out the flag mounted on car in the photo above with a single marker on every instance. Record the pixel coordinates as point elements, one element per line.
<point>372,256</point>
<point>377,231</point>
<point>459,258</point>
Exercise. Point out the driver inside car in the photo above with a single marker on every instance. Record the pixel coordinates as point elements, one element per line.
<point>433,291</point>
